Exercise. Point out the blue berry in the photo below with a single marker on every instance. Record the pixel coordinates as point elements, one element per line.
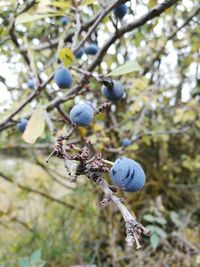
<point>114,93</point>
<point>79,53</point>
<point>127,174</point>
<point>63,78</point>
<point>92,49</point>
<point>126,142</point>
<point>120,11</point>
<point>64,21</point>
<point>82,114</point>
<point>21,126</point>
<point>31,84</point>
<point>90,104</point>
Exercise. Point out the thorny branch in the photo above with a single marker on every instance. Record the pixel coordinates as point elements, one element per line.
<point>133,228</point>
<point>93,166</point>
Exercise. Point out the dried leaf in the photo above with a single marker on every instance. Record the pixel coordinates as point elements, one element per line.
<point>35,126</point>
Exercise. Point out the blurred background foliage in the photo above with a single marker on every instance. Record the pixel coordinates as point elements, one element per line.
<point>40,210</point>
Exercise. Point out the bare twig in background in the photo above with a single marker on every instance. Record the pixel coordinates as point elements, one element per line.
<point>31,190</point>
<point>171,36</point>
<point>154,12</point>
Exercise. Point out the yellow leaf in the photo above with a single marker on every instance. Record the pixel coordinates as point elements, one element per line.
<point>133,147</point>
<point>105,140</point>
<point>190,115</point>
<point>152,3</point>
<point>140,84</point>
<point>82,131</point>
<point>100,147</point>
<point>97,127</point>
<point>62,5</point>
<point>146,139</point>
<point>89,2</point>
<point>178,115</point>
<point>66,56</point>
<point>35,126</point>
<point>135,107</point>
<point>197,123</point>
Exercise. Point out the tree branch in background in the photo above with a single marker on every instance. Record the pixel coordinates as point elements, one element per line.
<point>170,37</point>
<point>154,12</point>
<point>31,190</point>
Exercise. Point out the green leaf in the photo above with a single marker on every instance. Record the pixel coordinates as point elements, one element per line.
<point>149,218</point>
<point>160,232</point>
<point>41,264</point>
<point>126,68</point>
<point>36,256</point>
<point>24,262</point>
<point>160,220</point>
<point>175,218</point>
<point>66,56</point>
<point>26,17</point>
<point>151,228</point>
<point>154,239</point>
<point>35,126</point>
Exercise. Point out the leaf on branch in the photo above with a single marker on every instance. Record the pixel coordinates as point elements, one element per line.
<point>161,220</point>
<point>24,262</point>
<point>90,2</point>
<point>36,256</point>
<point>26,17</point>
<point>126,68</point>
<point>154,239</point>
<point>149,218</point>
<point>66,56</point>
<point>62,5</point>
<point>35,126</point>
<point>159,231</point>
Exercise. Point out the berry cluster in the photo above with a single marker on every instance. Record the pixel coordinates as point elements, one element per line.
<point>125,173</point>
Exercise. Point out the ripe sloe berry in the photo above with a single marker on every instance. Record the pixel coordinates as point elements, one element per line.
<point>126,142</point>
<point>79,53</point>
<point>127,174</point>
<point>82,114</point>
<point>114,93</point>
<point>21,126</point>
<point>63,78</point>
<point>92,49</point>
<point>120,11</point>
<point>64,21</point>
